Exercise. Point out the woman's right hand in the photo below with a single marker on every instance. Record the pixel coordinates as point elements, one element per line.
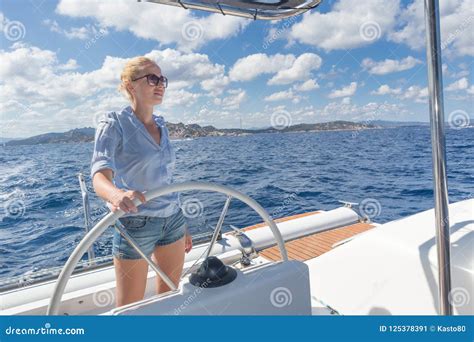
<point>124,200</point>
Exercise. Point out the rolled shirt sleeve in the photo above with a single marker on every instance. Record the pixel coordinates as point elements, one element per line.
<point>107,139</point>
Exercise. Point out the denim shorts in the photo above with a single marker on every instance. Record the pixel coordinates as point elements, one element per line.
<point>149,232</point>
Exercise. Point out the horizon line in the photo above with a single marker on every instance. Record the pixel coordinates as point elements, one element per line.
<point>237,128</point>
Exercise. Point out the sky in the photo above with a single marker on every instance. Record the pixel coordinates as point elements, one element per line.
<point>60,63</point>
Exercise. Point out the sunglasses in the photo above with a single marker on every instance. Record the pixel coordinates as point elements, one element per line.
<point>154,80</point>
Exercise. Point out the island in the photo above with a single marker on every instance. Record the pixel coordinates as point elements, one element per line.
<point>183,131</point>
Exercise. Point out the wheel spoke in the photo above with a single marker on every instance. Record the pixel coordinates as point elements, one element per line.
<point>215,234</point>
<point>217,230</point>
<point>120,227</point>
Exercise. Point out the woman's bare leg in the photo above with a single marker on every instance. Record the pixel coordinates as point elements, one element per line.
<point>170,259</point>
<point>131,276</point>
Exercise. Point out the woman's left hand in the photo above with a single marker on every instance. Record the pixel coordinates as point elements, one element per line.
<point>188,242</point>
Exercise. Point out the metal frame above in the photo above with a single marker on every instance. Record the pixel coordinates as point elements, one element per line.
<point>263,9</point>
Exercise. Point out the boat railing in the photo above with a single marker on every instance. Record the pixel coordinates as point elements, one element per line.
<point>87,217</point>
<point>35,277</point>
<point>38,276</point>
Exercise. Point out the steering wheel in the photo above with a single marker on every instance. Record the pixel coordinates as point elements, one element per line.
<point>112,217</point>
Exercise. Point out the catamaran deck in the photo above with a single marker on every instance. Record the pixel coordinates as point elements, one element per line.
<point>313,245</point>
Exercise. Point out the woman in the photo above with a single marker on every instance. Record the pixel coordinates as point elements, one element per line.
<point>132,153</point>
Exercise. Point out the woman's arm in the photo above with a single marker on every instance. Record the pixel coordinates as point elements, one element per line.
<point>120,199</point>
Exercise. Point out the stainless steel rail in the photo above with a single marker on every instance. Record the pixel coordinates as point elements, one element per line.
<point>263,9</point>
<point>438,147</point>
<point>87,216</point>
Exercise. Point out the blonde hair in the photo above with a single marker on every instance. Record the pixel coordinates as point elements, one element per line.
<point>131,71</point>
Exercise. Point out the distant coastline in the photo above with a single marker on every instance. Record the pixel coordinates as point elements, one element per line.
<point>182,131</point>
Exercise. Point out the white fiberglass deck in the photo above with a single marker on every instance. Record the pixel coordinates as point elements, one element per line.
<point>370,270</point>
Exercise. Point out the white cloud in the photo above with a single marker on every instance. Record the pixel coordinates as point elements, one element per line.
<point>279,96</point>
<point>215,85</point>
<point>186,69</point>
<point>292,94</point>
<point>179,98</point>
<point>386,90</point>
<point>39,84</point>
<point>347,25</point>
<point>388,66</point>
<point>287,68</point>
<point>23,61</point>
<point>342,110</point>
<point>415,93</point>
<point>348,90</point>
<point>235,98</point>
<point>306,86</point>
<point>165,24</point>
<point>461,90</point>
<point>252,66</point>
<point>456,17</point>
<point>48,80</point>
<point>209,116</point>
<point>341,27</point>
<point>83,33</point>
<point>333,73</point>
<point>300,70</point>
<point>367,112</point>
<point>462,70</point>
<point>225,110</point>
<point>37,75</point>
<point>460,84</point>
<point>71,64</point>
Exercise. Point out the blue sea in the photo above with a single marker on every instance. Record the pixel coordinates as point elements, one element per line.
<point>41,217</point>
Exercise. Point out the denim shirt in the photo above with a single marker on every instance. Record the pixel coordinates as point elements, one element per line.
<point>123,144</point>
